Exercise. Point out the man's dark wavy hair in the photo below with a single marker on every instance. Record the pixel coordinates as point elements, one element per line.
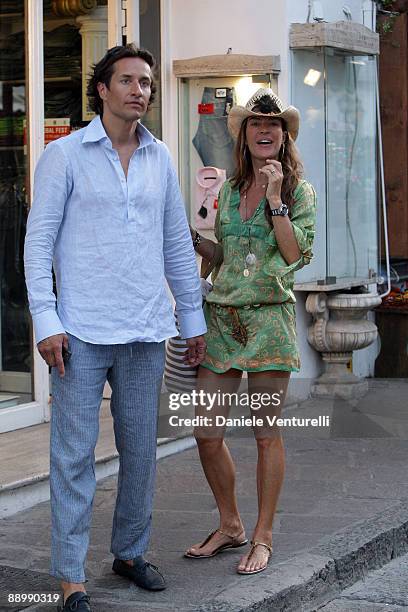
<point>103,70</point>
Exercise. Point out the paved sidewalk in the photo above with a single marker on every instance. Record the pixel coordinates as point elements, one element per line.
<point>342,510</point>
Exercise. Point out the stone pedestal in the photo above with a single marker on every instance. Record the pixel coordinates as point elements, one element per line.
<point>94,32</point>
<point>340,327</point>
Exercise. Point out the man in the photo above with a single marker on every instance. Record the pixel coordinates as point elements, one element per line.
<point>108,215</point>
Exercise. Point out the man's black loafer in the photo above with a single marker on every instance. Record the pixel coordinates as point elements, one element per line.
<point>142,573</point>
<point>77,602</point>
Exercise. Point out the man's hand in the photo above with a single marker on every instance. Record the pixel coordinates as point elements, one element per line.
<point>51,351</point>
<point>196,350</point>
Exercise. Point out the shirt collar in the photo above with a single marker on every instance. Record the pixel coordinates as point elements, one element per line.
<point>94,132</point>
<point>210,177</point>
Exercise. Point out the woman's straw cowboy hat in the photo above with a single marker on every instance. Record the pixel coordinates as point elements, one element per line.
<point>290,114</point>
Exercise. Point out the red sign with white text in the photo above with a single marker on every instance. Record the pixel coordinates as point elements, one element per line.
<point>55,128</point>
<point>206,109</point>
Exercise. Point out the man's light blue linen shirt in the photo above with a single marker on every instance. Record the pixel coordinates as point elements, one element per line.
<point>112,242</point>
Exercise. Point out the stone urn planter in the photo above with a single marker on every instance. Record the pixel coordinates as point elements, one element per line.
<point>340,326</point>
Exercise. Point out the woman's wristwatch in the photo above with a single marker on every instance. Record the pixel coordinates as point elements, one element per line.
<point>196,240</point>
<point>281,211</point>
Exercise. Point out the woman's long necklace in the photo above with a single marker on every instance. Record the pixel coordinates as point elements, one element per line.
<point>250,259</point>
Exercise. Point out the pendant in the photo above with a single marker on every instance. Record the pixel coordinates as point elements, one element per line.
<point>250,259</point>
<point>246,272</point>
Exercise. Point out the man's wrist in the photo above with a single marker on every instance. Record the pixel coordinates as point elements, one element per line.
<point>46,324</point>
<point>192,324</point>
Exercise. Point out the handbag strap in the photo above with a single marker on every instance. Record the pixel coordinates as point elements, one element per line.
<point>208,266</point>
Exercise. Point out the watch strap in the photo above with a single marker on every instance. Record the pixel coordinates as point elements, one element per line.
<point>282,211</point>
<point>196,240</point>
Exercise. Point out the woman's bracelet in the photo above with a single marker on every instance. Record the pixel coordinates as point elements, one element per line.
<point>196,240</point>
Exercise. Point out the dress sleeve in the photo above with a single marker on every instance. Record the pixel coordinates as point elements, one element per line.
<point>302,216</point>
<point>222,200</point>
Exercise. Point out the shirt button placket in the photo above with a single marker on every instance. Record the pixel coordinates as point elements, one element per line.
<point>123,182</point>
<point>131,207</point>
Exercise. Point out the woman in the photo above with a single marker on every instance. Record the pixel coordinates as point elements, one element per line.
<point>265,223</point>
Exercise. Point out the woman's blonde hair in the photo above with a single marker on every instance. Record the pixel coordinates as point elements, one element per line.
<point>288,156</point>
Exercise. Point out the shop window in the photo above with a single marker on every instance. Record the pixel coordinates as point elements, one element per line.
<point>206,147</point>
<point>15,330</point>
<point>75,37</point>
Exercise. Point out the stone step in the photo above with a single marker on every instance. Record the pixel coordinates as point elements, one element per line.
<point>27,492</point>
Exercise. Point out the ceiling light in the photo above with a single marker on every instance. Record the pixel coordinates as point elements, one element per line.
<point>312,77</point>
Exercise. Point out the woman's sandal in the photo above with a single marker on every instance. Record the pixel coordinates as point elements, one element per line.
<point>235,543</point>
<point>254,544</point>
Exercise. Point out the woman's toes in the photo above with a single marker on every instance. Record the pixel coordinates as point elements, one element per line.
<point>253,562</point>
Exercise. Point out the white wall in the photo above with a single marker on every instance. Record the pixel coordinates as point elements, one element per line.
<point>194,28</point>
<point>332,10</point>
<point>311,362</point>
<point>191,28</point>
<point>208,27</point>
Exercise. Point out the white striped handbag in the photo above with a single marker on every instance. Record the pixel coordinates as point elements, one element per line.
<point>180,377</point>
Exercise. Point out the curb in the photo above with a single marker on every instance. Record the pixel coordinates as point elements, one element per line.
<point>300,584</point>
<point>315,576</point>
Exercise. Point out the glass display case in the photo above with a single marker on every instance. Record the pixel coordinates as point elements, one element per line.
<point>335,91</point>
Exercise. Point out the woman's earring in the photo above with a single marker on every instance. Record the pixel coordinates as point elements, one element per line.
<point>282,151</point>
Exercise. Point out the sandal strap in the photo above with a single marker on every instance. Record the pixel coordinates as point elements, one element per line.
<point>207,539</point>
<point>255,543</point>
<point>210,535</point>
<point>229,535</point>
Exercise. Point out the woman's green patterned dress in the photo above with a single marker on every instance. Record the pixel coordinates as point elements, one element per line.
<point>251,319</point>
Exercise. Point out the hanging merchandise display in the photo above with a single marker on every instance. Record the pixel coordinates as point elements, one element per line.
<point>208,184</point>
<point>213,141</point>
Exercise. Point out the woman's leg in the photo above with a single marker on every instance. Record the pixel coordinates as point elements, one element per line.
<point>217,462</point>
<point>271,462</point>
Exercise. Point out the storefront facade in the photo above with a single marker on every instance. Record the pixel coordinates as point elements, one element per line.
<point>47,50</point>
